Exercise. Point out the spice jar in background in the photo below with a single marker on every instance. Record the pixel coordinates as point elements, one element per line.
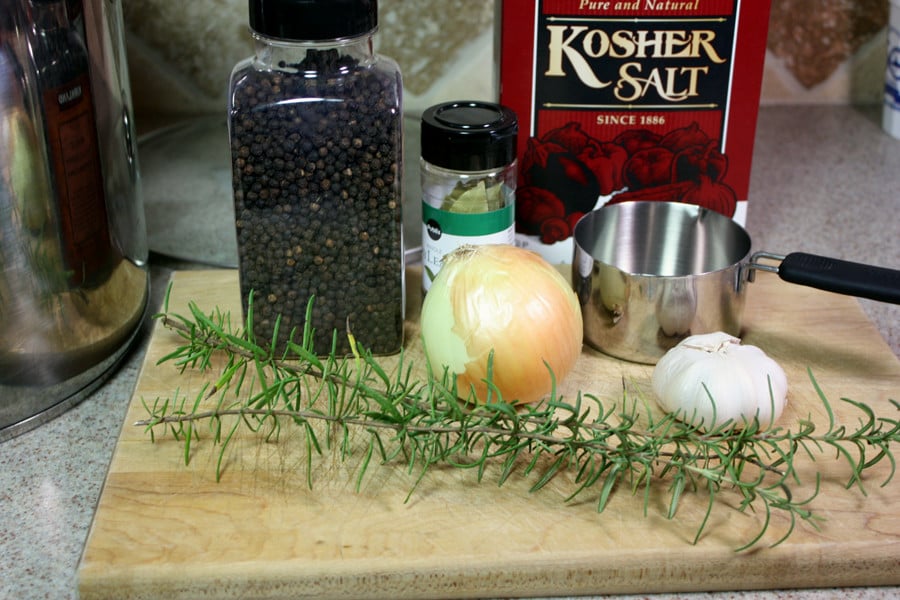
<point>315,129</point>
<point>468,170</point>
<point>67,106</point>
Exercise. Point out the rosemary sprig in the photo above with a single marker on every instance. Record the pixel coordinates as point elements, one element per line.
<point>422,423</point>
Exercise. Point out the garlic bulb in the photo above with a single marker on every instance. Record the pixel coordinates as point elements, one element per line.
<point>709,379</point>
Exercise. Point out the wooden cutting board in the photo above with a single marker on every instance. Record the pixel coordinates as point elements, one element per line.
<point>166,530</point>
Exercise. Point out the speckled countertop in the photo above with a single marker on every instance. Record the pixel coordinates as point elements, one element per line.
<point>825,180</point>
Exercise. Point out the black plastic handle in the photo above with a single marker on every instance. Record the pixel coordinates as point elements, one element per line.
<point>841,276</point>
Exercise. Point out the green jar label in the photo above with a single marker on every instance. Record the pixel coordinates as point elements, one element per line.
<point>443,232</point>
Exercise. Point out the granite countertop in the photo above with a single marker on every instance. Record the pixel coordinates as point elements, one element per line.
<point>826,180</point>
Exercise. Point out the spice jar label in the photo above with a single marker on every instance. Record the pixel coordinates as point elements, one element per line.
<point>629,101</point>
<point>444,231</point>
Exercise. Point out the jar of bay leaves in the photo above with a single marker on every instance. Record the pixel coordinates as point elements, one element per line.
<point>468,172</point>
<point>315,130</point>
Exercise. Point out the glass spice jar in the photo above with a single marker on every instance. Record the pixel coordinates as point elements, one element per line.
<point>315,129</point>
<point>468,172</point>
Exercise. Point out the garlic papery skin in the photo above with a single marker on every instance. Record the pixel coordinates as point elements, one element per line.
<point>710,379</point>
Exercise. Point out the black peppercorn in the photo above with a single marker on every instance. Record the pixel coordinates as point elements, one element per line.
<point>315,141</point>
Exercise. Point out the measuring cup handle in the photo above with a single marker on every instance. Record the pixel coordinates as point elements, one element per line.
<point>841,276</point>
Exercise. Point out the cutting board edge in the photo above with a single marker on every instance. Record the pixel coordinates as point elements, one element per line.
<point>559,576</point>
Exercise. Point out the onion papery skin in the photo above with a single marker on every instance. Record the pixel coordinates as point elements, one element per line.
<point>505,300</point>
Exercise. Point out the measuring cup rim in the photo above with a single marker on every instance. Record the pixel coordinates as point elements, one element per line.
<point>626,220</point>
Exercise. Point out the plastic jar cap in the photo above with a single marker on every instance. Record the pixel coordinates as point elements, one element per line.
<point>469,135</point>
<point>313,20</point>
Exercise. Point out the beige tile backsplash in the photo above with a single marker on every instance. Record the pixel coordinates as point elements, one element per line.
<point>826,51</point>
<point>181,53</point>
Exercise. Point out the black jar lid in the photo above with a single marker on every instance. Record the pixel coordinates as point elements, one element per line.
<point>313,20</point>
<point>469,135</point>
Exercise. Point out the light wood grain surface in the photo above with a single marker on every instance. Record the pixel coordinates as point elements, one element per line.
<point>166,530</point>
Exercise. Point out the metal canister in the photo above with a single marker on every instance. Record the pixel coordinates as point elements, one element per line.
<point>74,283</point>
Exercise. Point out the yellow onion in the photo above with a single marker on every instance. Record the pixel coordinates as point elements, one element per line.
<point>505,300</point>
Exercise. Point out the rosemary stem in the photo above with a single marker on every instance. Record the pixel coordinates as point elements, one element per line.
<point>432,425</point>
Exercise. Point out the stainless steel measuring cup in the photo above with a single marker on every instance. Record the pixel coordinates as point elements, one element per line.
<point>648,274</point>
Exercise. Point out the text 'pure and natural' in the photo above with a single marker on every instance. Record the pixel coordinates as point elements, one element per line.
<point>660,5</point>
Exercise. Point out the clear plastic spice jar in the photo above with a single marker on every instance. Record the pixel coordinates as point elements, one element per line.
<point>315,129</point>
<point>468,171</point>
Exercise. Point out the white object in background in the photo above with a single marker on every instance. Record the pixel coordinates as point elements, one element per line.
<point>891,115</point>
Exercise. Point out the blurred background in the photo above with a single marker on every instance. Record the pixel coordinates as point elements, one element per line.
<point>181,56</point>
<point>181,53</point>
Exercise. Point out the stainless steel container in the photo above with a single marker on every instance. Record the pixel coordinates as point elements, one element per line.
<point>648,274</point>
<point>73,275</point>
